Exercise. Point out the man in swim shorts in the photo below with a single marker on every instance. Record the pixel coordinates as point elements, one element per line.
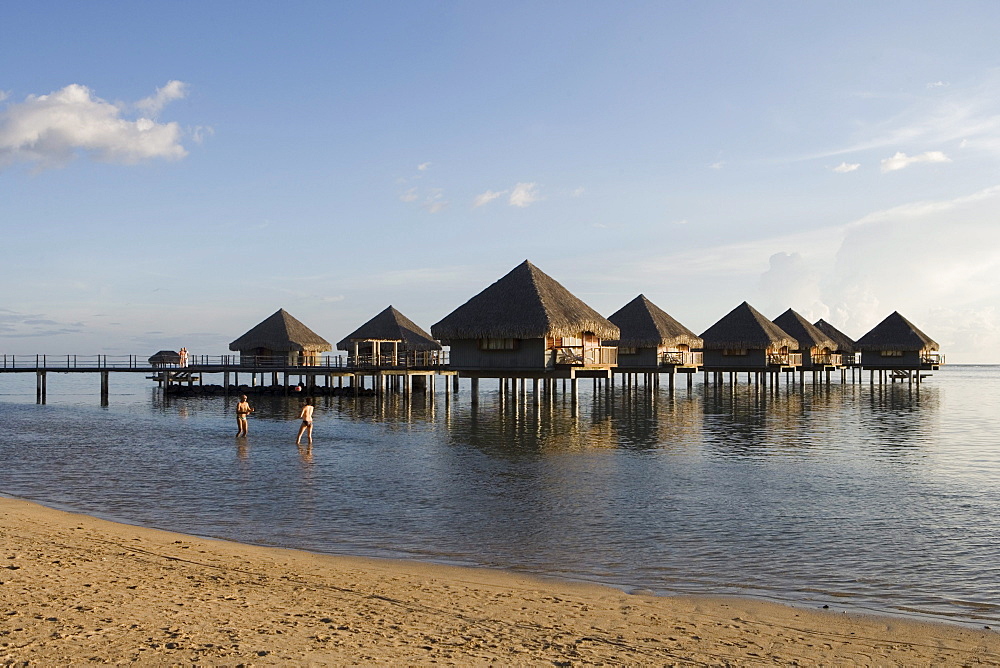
<point>307,422</point>
<point>243,409</point>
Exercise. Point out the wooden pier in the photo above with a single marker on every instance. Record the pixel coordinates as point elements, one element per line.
<point>383,375</point>
<point>406,375</point>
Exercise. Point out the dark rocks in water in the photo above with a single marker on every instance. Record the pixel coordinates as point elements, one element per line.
<point>178,390</point>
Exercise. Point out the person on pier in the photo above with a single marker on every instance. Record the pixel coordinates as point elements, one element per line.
<point>243,409</point>
<point>307,422</point>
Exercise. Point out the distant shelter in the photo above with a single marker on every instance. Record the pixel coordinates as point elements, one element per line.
<point>816,348</point>
<point>652,341</point>
<point>280,340</point>
<point>390,339</point>
<point>897,346</point>
<point>745,340</point>
<point>843,344</point>
<point>165,358</point>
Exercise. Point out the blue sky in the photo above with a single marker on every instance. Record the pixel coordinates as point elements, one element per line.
<point>172,174</point>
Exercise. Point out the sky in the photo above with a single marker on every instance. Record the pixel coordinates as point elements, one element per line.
<point>173,173</point>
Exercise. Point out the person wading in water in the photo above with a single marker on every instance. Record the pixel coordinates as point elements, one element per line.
<point>307,422</point>
<point>243,409</point>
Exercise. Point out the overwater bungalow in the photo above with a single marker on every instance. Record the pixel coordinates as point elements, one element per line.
<point>816,348</point>
<point>390,339</point>
<point>527,325</point>
<point>280,340</point>
<point>652,341</point>
<point>843,344</point>
<point>744,340</point>
<point>897,346</point>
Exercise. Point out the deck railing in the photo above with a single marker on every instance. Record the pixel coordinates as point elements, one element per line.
<point>408,360</point>
<point>579,356</point>
<point>931,358</point>
<point>827,359</point>
<point>784,359</point>
<point>679,358</point>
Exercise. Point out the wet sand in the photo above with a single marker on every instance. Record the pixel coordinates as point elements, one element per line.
<point>76,590</point>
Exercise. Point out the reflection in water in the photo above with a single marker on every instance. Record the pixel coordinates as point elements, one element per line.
<point>883,497</point>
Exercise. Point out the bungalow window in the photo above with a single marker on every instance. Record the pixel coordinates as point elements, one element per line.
<point>626,350</point>
<point>892,353</point>
<point>498,344</point>
<point>571,342</point>
<point>734,352</point>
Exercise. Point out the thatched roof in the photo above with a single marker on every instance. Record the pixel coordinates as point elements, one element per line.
<point>525,304</point>
<point>803,331</point>
<point>391,325</point>
<point>281,332</point>
<point>643,324</point>
<point>745,327</point>
<point>165,357</point>
<point>845,344</point>
<point>895,333</point>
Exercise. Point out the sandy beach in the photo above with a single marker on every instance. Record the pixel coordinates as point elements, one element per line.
<point>77,590</point>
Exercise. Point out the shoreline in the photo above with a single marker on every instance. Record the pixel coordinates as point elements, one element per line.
<point>80,589</point>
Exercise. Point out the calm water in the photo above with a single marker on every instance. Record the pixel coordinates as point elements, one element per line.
<point>883,500</point>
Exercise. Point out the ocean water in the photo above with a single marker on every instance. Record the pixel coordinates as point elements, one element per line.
<point>878,499</point>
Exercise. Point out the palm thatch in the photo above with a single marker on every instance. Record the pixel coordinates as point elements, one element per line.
<point>525,304</point>
<point>807,334</point>
<point>643,324</point>
<point>282,332</point>
<point>165,357</point>
<point>391,325</point>
<point>745,327</point>
<point>844,343</point>
<point>895,333</point>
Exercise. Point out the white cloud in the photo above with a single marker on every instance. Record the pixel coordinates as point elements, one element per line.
<point>423,167</point>
<point>409,196</point>
<point>4,95</point>
<point>901,160</point>
<point>486,197</point>
<point>936,262</point>
<point>51,130</point>
<point>577,192</point>
<point>201,132</point>
<point>946,115</point>
<point>844,168</point>
<point>524,194</point>
<point>435,201</point>
<point>717,165</point>
<point>174,90</point>
<point>937,84</point>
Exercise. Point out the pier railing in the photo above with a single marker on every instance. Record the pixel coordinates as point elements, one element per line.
<point>415,359</point>
<point>74,362</point>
